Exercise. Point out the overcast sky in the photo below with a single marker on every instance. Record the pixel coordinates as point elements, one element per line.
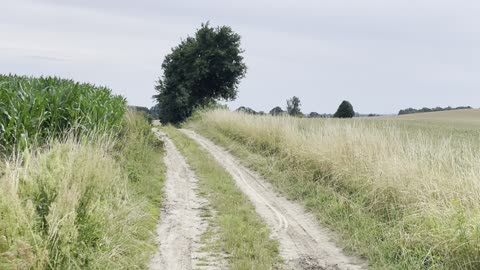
<point>381,55</point>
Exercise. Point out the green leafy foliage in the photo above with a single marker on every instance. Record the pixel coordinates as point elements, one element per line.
<point>247,110</point>
<point>155,112</point>
<point>276,111</point>
<point>32,110</point>
<point>293,106</point>
<point>345,110</point>
<point>201,69</point>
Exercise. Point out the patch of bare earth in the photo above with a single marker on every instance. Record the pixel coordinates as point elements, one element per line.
<point>186,231</point>
<point>303,243</point>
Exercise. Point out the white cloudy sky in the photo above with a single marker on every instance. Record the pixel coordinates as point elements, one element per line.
<point>382,55</point>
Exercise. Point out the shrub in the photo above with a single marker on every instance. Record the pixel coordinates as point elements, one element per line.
<point>345,110</point>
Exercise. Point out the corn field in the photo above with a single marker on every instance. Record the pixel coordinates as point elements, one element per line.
<point>32,110</point>
<point>80,177</point>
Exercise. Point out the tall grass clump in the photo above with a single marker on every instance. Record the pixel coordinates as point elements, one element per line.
<point>140,153</point>
<point>75,203</point>
<point>32,110</point>
<point>405,198</point>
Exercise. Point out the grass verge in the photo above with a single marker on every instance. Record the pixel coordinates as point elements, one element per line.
<point>243,234</point>
<point>88,203</point>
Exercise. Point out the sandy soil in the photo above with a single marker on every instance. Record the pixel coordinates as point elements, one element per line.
<point>303,243</point>
<point>181,224</point>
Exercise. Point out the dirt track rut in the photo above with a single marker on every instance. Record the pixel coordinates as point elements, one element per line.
<point>182,225</point>
<point>303,243</point>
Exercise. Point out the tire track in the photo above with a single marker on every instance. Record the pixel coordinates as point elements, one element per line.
<point>303,243</point>
<point>181,226</point>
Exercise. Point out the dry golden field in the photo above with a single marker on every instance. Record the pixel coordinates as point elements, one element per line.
<point>402,191</point>
<point>455,118</point>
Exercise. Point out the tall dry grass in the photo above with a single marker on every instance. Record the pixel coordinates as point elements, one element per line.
<point>404,197</point>
<point>82,203</point>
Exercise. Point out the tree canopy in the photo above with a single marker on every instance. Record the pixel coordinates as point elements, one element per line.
<point>246,110</point>
<point>276,111</point>
<point>200,70</point>
<point>345,110</point>
<point>293,106</point>
<point>317,115</point>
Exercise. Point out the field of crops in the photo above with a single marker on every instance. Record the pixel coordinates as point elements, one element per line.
<point>405,195</point>
<point>80,177</point>
<point>32,110</point>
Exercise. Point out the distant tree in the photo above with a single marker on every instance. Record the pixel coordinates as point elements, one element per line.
<point>345,110</point>
<point>201,69</point>
<point>261,113</point>
<point>293,106</point>
<point>317,115</point>
<point>276,111</point>
<point>246,110</point>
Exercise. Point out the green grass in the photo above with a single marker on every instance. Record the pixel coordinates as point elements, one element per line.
<point>403,195</point>
<point>140,154</point>
<point>83,202</point>
<point>243,235</point>
<point>34,110</point>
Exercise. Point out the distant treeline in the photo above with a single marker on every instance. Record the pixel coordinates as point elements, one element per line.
<point>436,109</point>
<point>278,111</point>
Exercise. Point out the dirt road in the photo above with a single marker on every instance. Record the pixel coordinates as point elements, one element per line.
<point>181,226</point>
<point>303,243</point>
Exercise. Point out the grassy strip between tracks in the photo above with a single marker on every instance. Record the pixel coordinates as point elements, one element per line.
<point>243,235</point>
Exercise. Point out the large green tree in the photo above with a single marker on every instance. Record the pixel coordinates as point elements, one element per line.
<point>199,71</point>
<point>345,110</point>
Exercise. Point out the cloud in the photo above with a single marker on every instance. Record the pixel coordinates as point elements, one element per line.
<point>380,55</point>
